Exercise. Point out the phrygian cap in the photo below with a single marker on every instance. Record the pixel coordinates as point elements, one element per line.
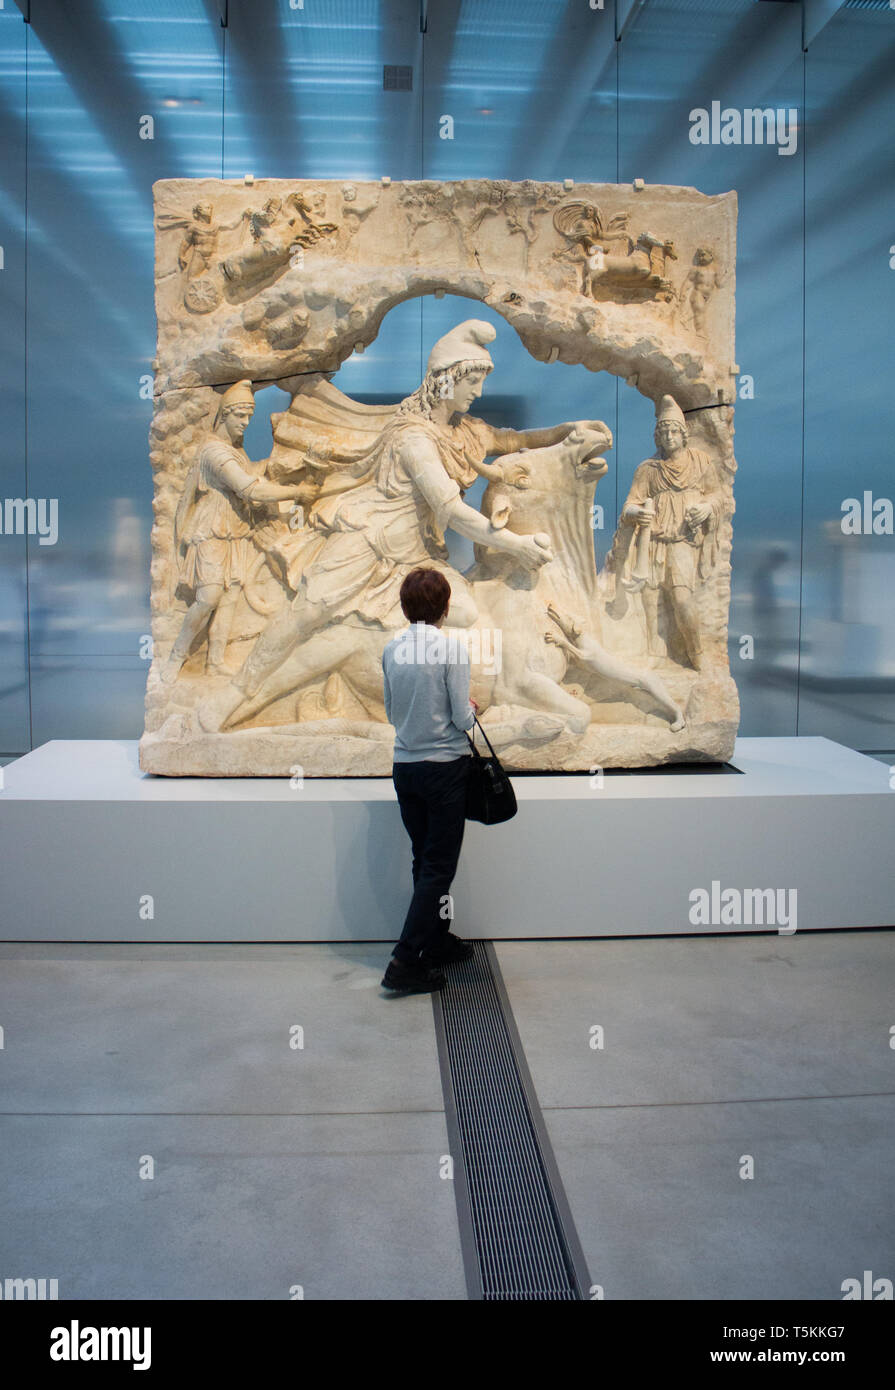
<point>240,393</point>
<point>668,409</point>
<point>465,343</point>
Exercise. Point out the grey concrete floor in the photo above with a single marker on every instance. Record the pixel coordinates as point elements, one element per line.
<point>716,1051</point>
<point>275,1167</point>
<point>318,1167</point>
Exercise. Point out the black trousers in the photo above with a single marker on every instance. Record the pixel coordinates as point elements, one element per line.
<point>432,798</point>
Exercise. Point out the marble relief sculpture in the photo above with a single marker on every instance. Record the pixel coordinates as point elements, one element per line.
<point>275,582</point>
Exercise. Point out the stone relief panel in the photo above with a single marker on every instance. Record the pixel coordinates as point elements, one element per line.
<point>275,581</point>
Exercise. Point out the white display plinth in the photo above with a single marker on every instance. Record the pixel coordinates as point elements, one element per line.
<point>95,850</point>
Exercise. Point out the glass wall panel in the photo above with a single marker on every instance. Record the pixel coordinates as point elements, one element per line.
<point>847,669</point>
<point>119,94</point>
<point>520,89</point>
<point>306,95</point>
<point>678,58</point>
<point>123,92</point>
<point>14,719</point>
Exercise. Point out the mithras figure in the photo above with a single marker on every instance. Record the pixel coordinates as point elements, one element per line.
<point>361,543</point>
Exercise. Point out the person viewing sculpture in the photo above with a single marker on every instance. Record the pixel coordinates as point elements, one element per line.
<point>426,693</point>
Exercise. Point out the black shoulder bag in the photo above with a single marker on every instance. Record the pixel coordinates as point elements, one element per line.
<point>489,797</point>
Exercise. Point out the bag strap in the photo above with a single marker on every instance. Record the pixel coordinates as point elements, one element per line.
<point>484,736</point>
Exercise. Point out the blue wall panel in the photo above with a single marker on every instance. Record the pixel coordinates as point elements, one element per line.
<point>679,58</point>
<point>99,99</point>
<point>847,668</point>
<point>119,95</point>
<point>15,733</point>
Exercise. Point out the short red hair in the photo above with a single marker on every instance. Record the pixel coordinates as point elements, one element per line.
<point>425,595</point>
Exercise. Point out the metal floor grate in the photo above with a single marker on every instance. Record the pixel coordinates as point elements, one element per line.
<point>519,1242</point>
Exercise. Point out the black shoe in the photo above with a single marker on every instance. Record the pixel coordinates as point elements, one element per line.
<point>418,978</point>
<point>450,948</point>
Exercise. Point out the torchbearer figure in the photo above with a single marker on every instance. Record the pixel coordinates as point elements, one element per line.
<point>214,522</point>
<point>676,501</point>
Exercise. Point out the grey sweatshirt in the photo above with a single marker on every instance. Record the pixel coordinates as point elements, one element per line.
<point>426,686</point>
